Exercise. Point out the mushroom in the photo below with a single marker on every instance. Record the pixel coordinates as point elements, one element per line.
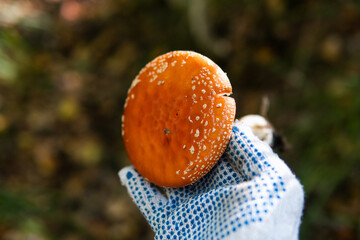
<point>263,129</point>
<point>177,118</point>
<point>259,126</point>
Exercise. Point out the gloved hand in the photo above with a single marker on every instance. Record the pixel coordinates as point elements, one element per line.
<point>249,194</point>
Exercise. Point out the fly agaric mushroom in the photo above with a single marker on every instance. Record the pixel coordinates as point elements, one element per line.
<point>177,118</point>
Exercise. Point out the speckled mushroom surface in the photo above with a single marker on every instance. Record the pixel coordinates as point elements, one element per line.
<point>177,118</point>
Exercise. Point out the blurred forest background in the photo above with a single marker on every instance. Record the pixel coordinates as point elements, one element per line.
<point>65,67</point>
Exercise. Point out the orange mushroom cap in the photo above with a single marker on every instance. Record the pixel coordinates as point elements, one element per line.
<point>177,118</point>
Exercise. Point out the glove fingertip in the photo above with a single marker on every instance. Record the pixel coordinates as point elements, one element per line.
<point>126,174</point>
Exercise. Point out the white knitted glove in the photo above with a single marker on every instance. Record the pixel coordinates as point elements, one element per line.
<point>249,194</point>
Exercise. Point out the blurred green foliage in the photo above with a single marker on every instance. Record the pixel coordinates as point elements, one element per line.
<point>65,67</point>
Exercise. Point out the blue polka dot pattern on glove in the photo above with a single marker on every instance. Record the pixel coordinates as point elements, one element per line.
<point>250,193</point>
